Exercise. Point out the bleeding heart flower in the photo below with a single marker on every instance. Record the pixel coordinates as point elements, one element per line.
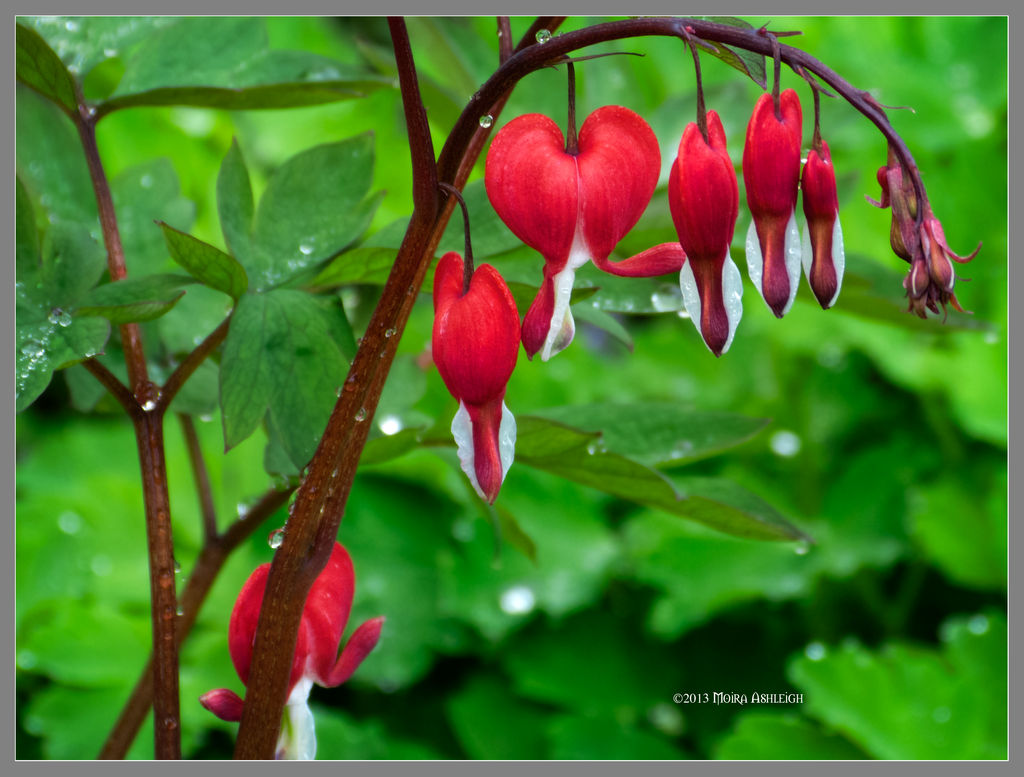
<point>704,199</point>
<point>316,657</point>
<point>823,257</point>
<point>475,346</point>
<point>771,175</point>
<point>570,207</point>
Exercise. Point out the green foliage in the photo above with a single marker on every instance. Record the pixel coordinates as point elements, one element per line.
<point>821,511</point>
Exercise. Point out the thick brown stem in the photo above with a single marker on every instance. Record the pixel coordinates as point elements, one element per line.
<point>211,559</point>
<point>167,724</point>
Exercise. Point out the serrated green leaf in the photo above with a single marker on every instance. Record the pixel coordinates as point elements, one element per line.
<point>314,205</point>
<point>135,299</point>
<point>235,204</point>
<point>279,354</point>
<point>40,68</point>
<point>923,704</point>
<point>207,264</point>
<point>657,433</point>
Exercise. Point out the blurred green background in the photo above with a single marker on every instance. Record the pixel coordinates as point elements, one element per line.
<point>885,441</point>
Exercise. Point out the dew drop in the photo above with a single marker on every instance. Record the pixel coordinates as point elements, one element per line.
<point>177,566</point>
<point>70,25</point>
<point>543,36</point>
<point>978,624</point>
<point>170,724</point>
<point>517,600</point>
<point>390,332</point>
<point>276,538</point>
<point>784,443</point>
<point>390,424</point>
<point>305,249</point>
<point>801,548</point>
<point>146,181</point>
<point>110,53</point>
<point>59,317</point>
<point>149,405</point>
<point>361,414</point>
<point>815,651</point>
<point>486,120</point>
<point>69,522</point>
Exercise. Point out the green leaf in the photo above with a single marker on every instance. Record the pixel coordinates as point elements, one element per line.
<point>49,337</point>
<point>768,736</point>
<point>588,314</point>
<point>85,41</point>
<point>923,704</point>
<point>747,62</point>
<point>657,433</point>
<point>603,737</point>
<point>365,264</point>
<point>390,446</point>
<point>513,533</point>
<point>135,299</point>
<point>279,354</point>
<point>50,345</point>
<point>51,163</point>
<point>517,733</point>
<point>207,264</point>
<point>343,737</point>
<point>40,68</point>
<point>235,203</point>
<point>583,458</point>
<point>314,205</point>
<point>631,295</point>
<point>224,62</point>
<point>144,194</point>
<point>26,233</point>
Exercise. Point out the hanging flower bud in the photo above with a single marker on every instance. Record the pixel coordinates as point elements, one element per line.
<point>931,278</point>
<point>704,199</point>
<point>570,207</point>
<point>771,175</point>
<point>316,658</point>
<point>475,347</point>
<point>823,256</point>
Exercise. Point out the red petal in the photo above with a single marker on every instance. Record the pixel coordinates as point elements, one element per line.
<point>363,640</point>
<point>821,205</point>
<point>225,704</point>
<point>619,163</point>
<point>532,184</point>
<point>657,260</point>
<point>326,612</point>
<point>476,336</point>
<point>771,175</point>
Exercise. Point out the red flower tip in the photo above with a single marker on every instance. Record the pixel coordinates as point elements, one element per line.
<point>771,175</point>
<point>225,704</point>
<point>823,256</point>
<point>704,200</point>
<point>475,346</point>
<point>570,207</point>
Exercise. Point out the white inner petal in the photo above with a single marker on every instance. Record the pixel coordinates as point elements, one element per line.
<point>562,328</point>
<point>732,294</point>
<point>297,741</point>
<point>462,431</point>
<point>792,259</point>
<point>755,261</point>
<point>506,440</point>
<point>838,256</point>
